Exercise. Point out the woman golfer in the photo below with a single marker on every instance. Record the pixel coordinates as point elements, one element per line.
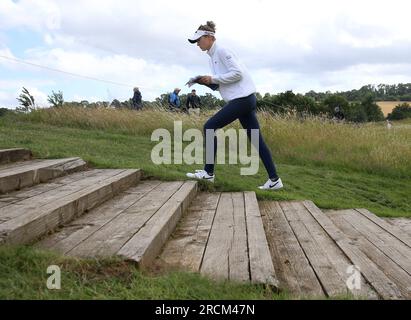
<point>238,90</point>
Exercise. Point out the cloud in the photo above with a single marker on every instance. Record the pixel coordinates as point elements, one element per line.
<point>152,78</point>
<point>299,45</point>
<point>39,15</point>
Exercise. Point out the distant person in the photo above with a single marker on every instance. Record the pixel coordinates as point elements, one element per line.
<point>338,114</point>
<point>193,101</point>
<point>389,124</point>
<point>238,90</point>
<point>174,100</point>
<point>137,99</point>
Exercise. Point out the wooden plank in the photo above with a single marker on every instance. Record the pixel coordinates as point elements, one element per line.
<point>147,243</point>
<point>12,165</point>
<point>215,262</point>
<point>60,207</point>
<point>261,264</point>
<point>36,223</point>
<point>238,255</point>
<point>389,267</point>
<point>186,246</point>
<point>291,265</point>
<point>33,166</point>
<point>322,266</point>
<point>335,257</point>
<point>391,246</point>
<point>109,239</point>
<point>25,206</point>
<point>402,225</point>
<point>394,231</point>
<point>14,154</point>
<point>72,166</point>
<point>56,183</point>
<point>29,193</point>
<point>33,173</point>
<point>372,273</point>
<point>81,229</point>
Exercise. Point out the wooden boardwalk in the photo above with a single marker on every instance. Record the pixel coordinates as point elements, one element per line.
<point>222,236</point>
<point>314,254</point>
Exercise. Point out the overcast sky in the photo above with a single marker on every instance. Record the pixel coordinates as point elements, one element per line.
<point>287,45</point>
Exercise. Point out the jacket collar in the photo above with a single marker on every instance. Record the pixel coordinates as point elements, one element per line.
<point>212,49</point>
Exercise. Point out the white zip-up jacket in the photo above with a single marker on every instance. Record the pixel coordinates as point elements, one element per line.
<point>230,74</point>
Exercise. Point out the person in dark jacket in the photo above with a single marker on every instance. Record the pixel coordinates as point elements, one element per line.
<point>338,114</point>
<point>174,100</point>
<point>193,100</point>
<point>137,101</point>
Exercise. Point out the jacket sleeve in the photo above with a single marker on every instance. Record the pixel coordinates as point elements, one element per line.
<point>234,73</point>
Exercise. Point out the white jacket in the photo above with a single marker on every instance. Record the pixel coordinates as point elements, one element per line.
<point>230,74</point>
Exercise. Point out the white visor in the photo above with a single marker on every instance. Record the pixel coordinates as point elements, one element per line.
<point>198,34</point>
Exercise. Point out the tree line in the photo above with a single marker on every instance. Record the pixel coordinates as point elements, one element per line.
<point>356,105</point>
<point>381,92</point>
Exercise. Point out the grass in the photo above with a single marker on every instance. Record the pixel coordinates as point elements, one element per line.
<point>23,275</point>
<point>313,158</point>
<point>335,165</point>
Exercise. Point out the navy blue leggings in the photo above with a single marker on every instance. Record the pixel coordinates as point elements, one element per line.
<point>243,109</point>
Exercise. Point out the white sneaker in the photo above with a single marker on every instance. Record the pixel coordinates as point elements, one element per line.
<point>201,175</point>
<point>272,185</point>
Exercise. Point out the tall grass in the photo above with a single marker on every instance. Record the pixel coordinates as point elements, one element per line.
<point>370,148</point>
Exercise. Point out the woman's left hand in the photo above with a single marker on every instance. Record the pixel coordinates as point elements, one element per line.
<point>205,80</point>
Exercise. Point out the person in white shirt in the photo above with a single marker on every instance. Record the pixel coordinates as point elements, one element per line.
<point>238,90</point>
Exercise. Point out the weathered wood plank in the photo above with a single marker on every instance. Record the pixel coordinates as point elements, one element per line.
<point>323,267</point>
<point>25,228</point>
<point>335,257</point>
<point>32,173</point>
<point>372,273</point>
<point>238,255</point>
<point>215,262</point>
<point>14,169</point>
<point>393,230</point>
<point>390,268</point>
<point>109,239</point>
<point>261,264</point>
<point>402,225</point>
<point>27,205</point>
<point>291,265</point>
<point>147,243</point>
<point>391,246</point>
<point>14,154</point>
<point>4,168</point>
<point>187,244</point>
<point>81,229</point>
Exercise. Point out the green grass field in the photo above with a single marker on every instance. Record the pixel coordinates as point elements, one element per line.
<point>335,165</point>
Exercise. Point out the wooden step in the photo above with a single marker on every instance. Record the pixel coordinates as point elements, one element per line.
<point>306,253</point>
<point>222,236</point>
<point>134,225</point>
<point>15,176</point>
<point>31,213</point>
<point>14,155</point>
